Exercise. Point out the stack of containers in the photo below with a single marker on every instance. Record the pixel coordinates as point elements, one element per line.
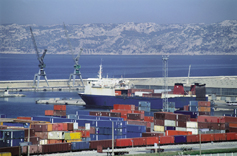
<point>41,131</point>
<point>193,106</point>
<point>181,122</point>
<point>205,108</point>
<point>11,137</point>
<point>123,109</point>
<point>104,130</point>
<point>144,106</point>
<point>164,121</point>
<point>59,110</point>
<point>192,126</point>
<point>135,131</point>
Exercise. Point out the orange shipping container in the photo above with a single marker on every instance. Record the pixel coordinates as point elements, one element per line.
<point>207,137</point>
<point>139,111</point>
<point>24,118</point>
<point>53,141</point>
<point>233,125</point>
<point>231,136</point>
<point>59,107</point>
<point>204,103</point>
<point>174,132</point>
<point>149,118</point>
<point>166,139</point>
<point>219,136</point>
<point>152,140</point>
<point>124,107</point>
<point>49,112</point>
<point>118,92</point>
<point>204,109</point>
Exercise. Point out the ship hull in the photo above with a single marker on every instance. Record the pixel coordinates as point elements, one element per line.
<point>109,101</point>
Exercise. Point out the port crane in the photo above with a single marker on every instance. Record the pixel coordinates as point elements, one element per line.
<point>77,67</point>
<point>41,63</point>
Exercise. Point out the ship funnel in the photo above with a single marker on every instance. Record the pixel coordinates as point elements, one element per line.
<point>178,89</point>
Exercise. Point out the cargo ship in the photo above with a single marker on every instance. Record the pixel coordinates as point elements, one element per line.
<point>105,92</point>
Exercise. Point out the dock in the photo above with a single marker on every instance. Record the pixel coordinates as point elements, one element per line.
<point>59,101</point>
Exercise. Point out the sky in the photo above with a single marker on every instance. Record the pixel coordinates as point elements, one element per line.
<point>49,12</point>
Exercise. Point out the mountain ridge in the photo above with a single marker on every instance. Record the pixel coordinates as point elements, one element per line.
<point>124,39</point>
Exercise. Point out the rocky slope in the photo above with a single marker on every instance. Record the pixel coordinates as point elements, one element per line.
<point>125,38</point>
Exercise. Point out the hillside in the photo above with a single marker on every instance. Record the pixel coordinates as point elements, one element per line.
<point>124,38</point>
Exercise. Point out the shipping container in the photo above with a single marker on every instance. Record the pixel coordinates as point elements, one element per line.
<point>166,140</point>
<point>180,129</point>
<point>204,104</point>
<point>182,117</point>
<point>180,139</point>
<point>72,135</point>
<point>189,113</point>
<point>207,137</point>
<point>164,116</point>
<point>12,134</point>
<point>136,128</point>
<point>191,124</point>
<point>33,139</point>
<point>124,107</point>
<point>193,130</point>
<point>42,127</point>
<point>75,146</point>
<point>49,112</point>
<point>152,140</point>
<point>142,123</point>
<point>134,134</point>
<point>59,107</point>
<point>220,137</point>
<point>159,122</point>
<point>59,113</point>
<point>233,125</point>
<point>13,150</point>
<point>135,116</point>
<point>231,136</point>
<point>54,141</point>
<point>152,134</point>
<point>104,143</point>
<point>180,124</point>
<point>56,135</point>
<point>42,135</point>
<point>192,138</point>
<point>169,123</point>
<point>159,128</point>
<point>175,132</point>
<point>24,117</point>
<point>149,118</point>
<point>204,109</point>
<point>124,142</point>
<point>232,129</point>
<point>139,141</point>
<point>204,118</point>
<point>55,148</point>
<point>228,119</point>
<point>34,149</point>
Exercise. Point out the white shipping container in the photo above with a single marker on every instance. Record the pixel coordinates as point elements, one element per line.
<point>193,130</point>
<point>43,142</point>
<point>75,125</point>
<point>87,126</point>
<point>159,128</point>
<point>191,124</point>
<point>169,123</point>
<point>56,135</point>
<point>180,129</point>
<point>141,93</point>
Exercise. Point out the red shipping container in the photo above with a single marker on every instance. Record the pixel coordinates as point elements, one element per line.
<point>124,107</point>
<point>202,125</point>
<point>186,108</point>
<point>159,122</point>
<point>95,113</point>
<point>204,103</point>
<point>231,136</point>
<point>182,117</point>
<point>180,124</point>
<point>148,129</point>
<point>84,133</point>
<point>228,119</point>
<point>24,118</point>
<point>204,118</point>
<point>233,125</point>
<point>174,132</point>
<point>149,118</point>
<point>33,139</point>
<point>139,111</point>
<point>135,116</point>
<point>124,142</point>
<point>207,137</point>
<point>118,92</point>
<point>58,127</point>
<point>192,138</point>
<point>34,149</point>
<point>193,119</point>
<point>123,112</point>
<point>166,140</point>
<point>152,134</point>
<point>139,141</point>
<point>219,126</point>
<point>49,112</point>
<point>104,143</point>
<point>219,137</point>
<point>59,113</point>
<point>164,116</point>
<point>59,107</point>
<point>232,129</point>
<point>152,140</point>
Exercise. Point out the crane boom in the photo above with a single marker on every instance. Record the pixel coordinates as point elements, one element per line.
<point>35,46</point>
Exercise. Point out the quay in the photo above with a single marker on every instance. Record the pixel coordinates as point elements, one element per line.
<point>218,85</point>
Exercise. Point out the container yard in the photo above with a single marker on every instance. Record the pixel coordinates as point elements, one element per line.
<point>123,128</point>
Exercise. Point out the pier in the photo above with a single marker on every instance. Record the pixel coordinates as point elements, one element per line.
<point>218,85</point>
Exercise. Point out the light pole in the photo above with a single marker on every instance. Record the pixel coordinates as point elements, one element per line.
<point>200,142</point>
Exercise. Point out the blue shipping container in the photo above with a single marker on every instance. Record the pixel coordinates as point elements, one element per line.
<point>136,128</point>
<point>180,139</point>
<point>134,135</point>
<point>12,134</point>
<point>79,145</point>
<point>192,114</point>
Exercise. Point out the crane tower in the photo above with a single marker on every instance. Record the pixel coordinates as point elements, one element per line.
<point>165,87</point>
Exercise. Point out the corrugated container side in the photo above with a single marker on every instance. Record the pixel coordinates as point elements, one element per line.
<point>49,112</point>
<point>192,138</point>
<point>204,118</point>
<point>159,128</point>
<point>180,129</point>
<point>193,130</point>
<point>233,129</point>
<point>164,115</point>
<point>159,122</point>
<point>228,119</point>
<point>180,139</point>
<point>191,124</point>
<point>166,139</point>
<point>13,150</point>
<point>175,132</point>
<point>105,144</point>
<point>180,124</point>
<point>231,136</point>
<point>139,141</point>
<point>124,142</point>
<point>152,140</point>
<point>207,137</point>
<point>59,107</point>
<point>24,117</point>
<point>204,103</point>
<point>204,109</point>
<point>220,137</point>
<point>169,123</point>
<point>233,125</point>
<point>56,135</point>
<point>152,134</point>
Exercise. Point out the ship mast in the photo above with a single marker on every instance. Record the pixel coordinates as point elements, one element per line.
<point>165,87</point>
